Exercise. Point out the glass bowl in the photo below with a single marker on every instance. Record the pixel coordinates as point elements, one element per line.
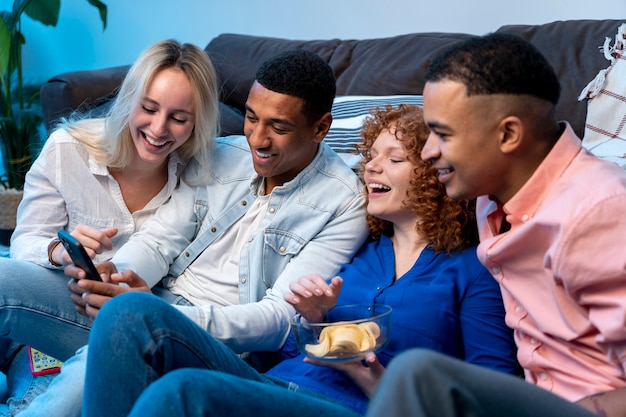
<point>347,333</point>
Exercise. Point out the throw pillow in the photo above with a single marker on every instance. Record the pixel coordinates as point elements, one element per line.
<point>605,133</point>
<point>349,112</point>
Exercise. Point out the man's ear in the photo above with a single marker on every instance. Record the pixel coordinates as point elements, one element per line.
<point>511,134</point>
<point>322,126</point>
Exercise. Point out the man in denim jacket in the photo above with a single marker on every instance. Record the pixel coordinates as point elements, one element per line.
<point>232,241</point>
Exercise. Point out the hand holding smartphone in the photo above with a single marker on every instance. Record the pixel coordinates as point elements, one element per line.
<point>78,254</point>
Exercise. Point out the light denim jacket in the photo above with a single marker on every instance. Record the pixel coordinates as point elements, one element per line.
<point>313,224</point>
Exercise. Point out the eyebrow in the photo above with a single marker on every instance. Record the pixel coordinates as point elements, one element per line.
<point>274,120</point>
<point>156,103</point>
<point>437,125</point>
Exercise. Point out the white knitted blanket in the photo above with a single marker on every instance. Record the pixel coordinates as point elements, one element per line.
<point>605,133</point>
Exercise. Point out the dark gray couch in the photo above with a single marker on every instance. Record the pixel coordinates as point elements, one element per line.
<point>384,66</point>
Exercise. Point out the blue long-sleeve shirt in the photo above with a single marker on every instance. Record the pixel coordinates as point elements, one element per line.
<point>449,303</point>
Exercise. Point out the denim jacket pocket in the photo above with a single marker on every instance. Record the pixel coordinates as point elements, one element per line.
<point>283,242</point>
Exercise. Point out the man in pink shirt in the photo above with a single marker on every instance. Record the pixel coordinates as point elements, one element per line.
<point>553,234</point>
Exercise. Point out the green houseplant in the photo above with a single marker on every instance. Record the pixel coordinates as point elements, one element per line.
<point>20,113</point>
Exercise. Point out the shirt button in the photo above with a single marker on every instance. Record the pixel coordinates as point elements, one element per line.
<point>543,376</point>
<point>243,280</point>
<point>519,309</point>
<point>525,217</point>
<point>495,270</point>
<point>272,209</point>
<point>282,249</point>
<point>213,229</point>
<point>533,341</point>
<point>250,239</point>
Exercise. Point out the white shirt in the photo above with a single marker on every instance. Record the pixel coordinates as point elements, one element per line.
<point>65,188</point>
<point>214,276</point>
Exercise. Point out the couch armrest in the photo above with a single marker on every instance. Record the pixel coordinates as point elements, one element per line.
<point>70,91</point>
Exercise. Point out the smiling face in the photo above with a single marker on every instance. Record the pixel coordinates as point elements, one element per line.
<point>464,141</point>
<point>282,141</point>
<point>387,176</point>
<point>164,119</point>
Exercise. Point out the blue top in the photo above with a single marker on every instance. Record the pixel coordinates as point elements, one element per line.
<point>446,302</point>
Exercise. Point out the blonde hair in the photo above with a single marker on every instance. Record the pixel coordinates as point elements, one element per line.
<point>114,146</point>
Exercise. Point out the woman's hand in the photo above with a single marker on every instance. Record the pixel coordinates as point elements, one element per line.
<point>312,296</point>
<point>93,240</point>
<point>365,373</point>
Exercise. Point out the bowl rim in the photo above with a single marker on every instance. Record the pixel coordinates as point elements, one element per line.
<point>296,318</point>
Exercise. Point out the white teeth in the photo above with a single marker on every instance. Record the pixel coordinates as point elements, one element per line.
<point>379,186</point>
<point>444,171</point>
<point>263,155</point>
<point>152,142</point>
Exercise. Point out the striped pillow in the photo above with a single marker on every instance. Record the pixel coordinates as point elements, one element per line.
<point>349,112</point>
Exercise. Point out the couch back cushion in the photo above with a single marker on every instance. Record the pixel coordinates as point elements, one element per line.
<point>396,65</point>
<point>385,66</point>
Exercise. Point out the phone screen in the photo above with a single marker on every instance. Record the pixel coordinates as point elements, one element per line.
<point>79,255</point>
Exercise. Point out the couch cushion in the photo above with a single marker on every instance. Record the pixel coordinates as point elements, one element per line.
<point>237,57</point>
<point>383,66</point>
<point>387,66</point>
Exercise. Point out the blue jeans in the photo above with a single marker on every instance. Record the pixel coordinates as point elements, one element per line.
<point>64,395</point>
<point>423,383</point>
<point>36,310</point>
<point>138,341</point>
<point>198,393</point>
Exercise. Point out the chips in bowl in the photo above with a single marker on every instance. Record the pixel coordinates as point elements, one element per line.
<point>347,333</point>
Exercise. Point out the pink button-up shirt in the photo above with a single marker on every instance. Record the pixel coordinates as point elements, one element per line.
<point>562,270</point>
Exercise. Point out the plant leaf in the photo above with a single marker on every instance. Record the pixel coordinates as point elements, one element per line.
<point>5,46</point>
<point>44,11</point>
<point>103,11</point>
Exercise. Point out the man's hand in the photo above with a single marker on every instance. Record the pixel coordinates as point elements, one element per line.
<point>606,404</point>
<point>106,269</point>
<point>312,296</point>
<point>89,295</point>
<point>365,373</point>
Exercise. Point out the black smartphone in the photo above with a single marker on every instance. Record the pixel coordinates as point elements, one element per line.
<point>79,255</point>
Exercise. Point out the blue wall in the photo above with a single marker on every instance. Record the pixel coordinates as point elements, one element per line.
<point>78,41</point>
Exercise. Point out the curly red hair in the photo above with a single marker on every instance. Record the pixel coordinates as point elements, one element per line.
<point>448,225</point>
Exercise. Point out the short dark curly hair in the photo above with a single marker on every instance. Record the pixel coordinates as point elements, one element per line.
<point>303,74</point>
<point>448,225</point>
<point>497,63</point>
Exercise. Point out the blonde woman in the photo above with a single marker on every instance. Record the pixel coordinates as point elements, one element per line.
<point>100,179</point>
